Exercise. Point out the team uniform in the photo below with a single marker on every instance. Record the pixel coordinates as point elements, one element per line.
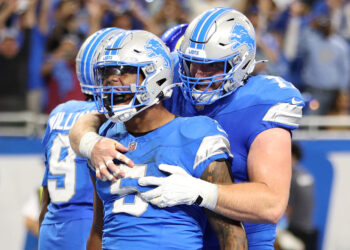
<point>68,220</point>
<point>132,223</point>
<point>264,102</point>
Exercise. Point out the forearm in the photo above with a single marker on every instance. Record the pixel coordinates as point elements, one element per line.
<point>94,241</point>
<point>251,202</point>
<point>86,123</point>
<point>44,16</point>
<point>265,197</point>
<point>230,233</point>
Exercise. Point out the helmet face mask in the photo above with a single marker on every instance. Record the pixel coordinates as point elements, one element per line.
<point>134,72</point>
<point>119,89</point>
<point>218,35</point>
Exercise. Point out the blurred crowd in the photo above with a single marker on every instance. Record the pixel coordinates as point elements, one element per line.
<point>305,41</point>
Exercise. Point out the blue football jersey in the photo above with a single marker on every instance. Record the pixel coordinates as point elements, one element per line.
<point>66,175</point>
<point>264,102</point>
<point>132,223</point>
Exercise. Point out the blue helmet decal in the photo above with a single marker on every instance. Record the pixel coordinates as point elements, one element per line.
<point>111,48</point>
<point>241,36</point>
<point>200,32</point>
<point>89,54</point>
<point>155,49</point>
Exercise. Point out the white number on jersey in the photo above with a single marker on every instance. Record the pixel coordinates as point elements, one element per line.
<point>66,167</point>
<point>281,83</point>
<point>139,206</point>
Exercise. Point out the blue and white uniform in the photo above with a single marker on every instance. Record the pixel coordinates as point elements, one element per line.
<point>132,223</point>
<point>67,222</point>
<point>264,102</point>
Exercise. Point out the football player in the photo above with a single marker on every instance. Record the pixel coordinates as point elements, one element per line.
<point>215,60</point>
<point>67,207</point>
<point>133,75</point>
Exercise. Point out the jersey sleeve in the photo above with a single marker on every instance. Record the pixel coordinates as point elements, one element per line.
<point>212,148</point>
<point>281,115</point>
<point>266,102</point>
<point>209,143</point>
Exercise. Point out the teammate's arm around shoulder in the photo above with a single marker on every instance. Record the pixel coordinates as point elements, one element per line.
<point>90,122</point>
<point>264,198</point>
<point>100,150</point>
<point>229,232</point>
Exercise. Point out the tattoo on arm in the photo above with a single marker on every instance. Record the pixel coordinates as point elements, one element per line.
<point>230,233</point>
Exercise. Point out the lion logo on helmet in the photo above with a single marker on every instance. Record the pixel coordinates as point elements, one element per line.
<point>240,35</point>
<point>155,49</point>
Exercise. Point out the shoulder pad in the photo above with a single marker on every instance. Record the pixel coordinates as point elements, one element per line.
<point>199,126</point>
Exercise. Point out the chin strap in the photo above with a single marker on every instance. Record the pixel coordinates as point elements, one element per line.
<point>168,90</point>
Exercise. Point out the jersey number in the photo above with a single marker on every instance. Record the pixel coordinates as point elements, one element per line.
<point>66,167</point>
<point>138,206</point>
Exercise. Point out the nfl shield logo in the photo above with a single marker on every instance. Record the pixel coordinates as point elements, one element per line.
<point>132,146</point>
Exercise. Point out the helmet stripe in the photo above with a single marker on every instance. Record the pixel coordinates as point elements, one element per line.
<point>203,27</point>
<point>90,51</point>
<point>116,44</point>
<point>198,27</point>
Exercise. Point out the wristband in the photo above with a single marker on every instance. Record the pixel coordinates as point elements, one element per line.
<point>87,143</point>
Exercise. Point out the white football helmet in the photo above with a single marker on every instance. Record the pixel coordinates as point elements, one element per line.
<point>218,35</point>
<point>87,57</point>
<point>137,52</point>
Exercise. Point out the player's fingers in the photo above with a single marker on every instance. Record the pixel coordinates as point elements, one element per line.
<point>120,147</point>
<point>121,157</point>
<point>150,181</point>
<point>115,169</point>
<point>98,173</point>
<point>105,174</point>
<point>171,169</point>
<point>118,173</point>
<point>158,201</point>
<point>150,195</point>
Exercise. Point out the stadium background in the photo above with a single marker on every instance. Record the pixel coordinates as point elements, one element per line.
<point>25,102</point>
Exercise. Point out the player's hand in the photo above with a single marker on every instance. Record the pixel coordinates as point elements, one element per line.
<point>179,188</point>
<point>102,156</point>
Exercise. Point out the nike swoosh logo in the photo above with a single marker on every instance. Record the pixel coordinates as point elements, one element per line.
<point>295,102</point>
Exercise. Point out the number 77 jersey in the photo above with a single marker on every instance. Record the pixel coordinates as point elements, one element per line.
<point>130,222</point>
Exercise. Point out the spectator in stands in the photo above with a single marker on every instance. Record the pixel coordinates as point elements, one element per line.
<point>291,22</point>
<point>35,82</point>
<point>340,15</point>
<point>170,14</point>
<point>62,43</point>
<point>65,23</point>
<point>128,15</point>
<point>14,51</point>
<point>268,44</point>
<point>301,202</point>
<point>341,106</point>
<point>59,71</point>
<point>325,68</point>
